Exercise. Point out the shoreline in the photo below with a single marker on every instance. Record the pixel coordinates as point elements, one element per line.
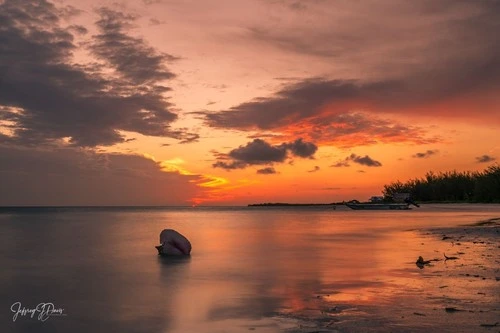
<point>456,290</point>
<point>342,203</point>
<point>281,204</point>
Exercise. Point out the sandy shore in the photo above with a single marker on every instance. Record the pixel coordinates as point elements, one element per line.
<point>456,293</point>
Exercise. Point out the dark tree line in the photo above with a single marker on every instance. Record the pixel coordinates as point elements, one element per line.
<point>478,186</point>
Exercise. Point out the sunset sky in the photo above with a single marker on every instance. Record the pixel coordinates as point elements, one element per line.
<point>183,102</point>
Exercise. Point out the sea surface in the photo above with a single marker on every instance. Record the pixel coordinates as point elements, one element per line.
<point>251,268</point>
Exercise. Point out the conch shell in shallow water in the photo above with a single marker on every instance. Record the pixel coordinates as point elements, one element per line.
<point>173,243</point>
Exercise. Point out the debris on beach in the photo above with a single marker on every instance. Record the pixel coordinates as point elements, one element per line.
<point>463,284</point>
<point>421,262</point>
<point>449,258</point>
<point>489,222</point>
<point>452,309</point>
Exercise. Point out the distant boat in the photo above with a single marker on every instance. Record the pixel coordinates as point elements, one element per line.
<point>356,205</point>
<point>401,201</point>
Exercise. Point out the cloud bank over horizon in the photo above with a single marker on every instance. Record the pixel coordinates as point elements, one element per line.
<point>82,177</point>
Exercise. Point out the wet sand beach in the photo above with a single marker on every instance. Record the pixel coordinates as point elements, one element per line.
<point>457,289</point>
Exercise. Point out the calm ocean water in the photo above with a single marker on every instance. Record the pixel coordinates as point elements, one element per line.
<point>248,267</point>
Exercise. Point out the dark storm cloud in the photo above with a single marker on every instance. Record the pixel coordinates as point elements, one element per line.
<point>258,152</point>
<point>289,105</point>
<point>130,56</point>
<point>426,154</point>
<point>266,171</point>
<point>366,160</point>
<point>424,31</point>
<point>76,176</point>
<point>48,97</point>
<point>485,159</point>
<point>320,110</point>
<point>417,70</point>
<point>325,100</point>
<point>301,148</point>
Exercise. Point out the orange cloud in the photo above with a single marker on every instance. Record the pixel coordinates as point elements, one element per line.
<point>354,128</point>
<point>213,188</point>
<point>223,192</point>
<point>212,181</point>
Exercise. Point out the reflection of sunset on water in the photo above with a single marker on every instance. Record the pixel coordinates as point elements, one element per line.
<point>269,269</point>
<point>282,263</point>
